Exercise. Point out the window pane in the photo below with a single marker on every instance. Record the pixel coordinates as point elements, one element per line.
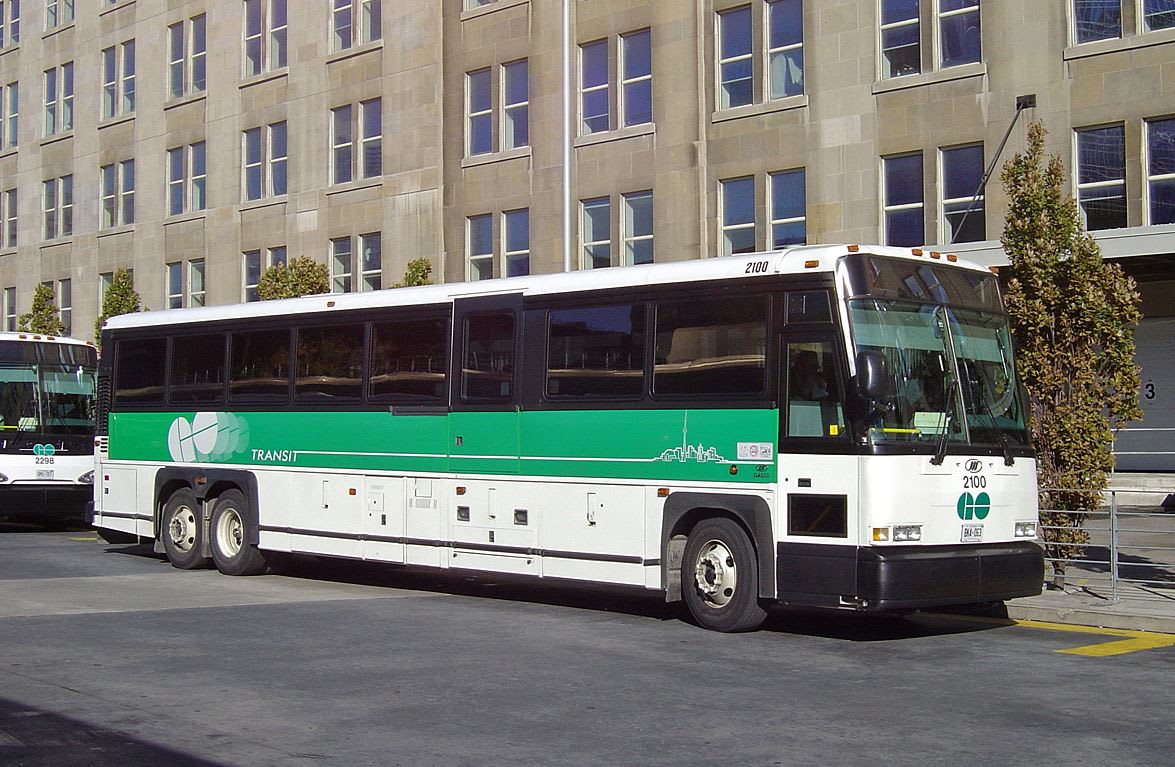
<point>1159,14</point>
<point>787,73</point>
<point>638,102</point>
<point>898,10</point>
<point>479,91</point>
<point>1161,146</point>
<point>787,195</point>
<point>737,83</point>
<point>1101,154</point>
<point>595,111</point>
<point>487,361</point>
<point>738,201</point>
<point>330,362</point>
<point>903,180</point>
<point>960,38</point>
<point>409,360</point>
<point>197,368</point>
<point>711,347</point>
<point>260,367</point>
<point>596,351</point>
<point>341,265</point>
<point>517,230</point>
<point>481,237</point>
<point>138,376</point>
<point>814,408</point>
<point>637,55</point>
<point>962,170</point>
<point>594,60</point>
<point>736,32</point>
<point>1097,19</point>
<point>1104,207</point>
<point>638,218</point>
<point>905,228</point>
<point>786,22</point>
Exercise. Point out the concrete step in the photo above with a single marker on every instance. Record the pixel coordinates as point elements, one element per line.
<point>1143,488</point>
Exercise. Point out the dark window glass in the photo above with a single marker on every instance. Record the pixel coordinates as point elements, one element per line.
<point>138,371</point>
<point>409,360</point>
<point>330,362</point>
<point>197,368</point>
<point>1097,19</point>
<point>823,515</point>
<point>808,306</point>
<point>711,347</point>
<point>487,361</point>
<point>596,351</point>
<point>260,365</point>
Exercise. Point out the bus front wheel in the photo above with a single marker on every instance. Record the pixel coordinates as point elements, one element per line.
<point>720,578</point>
<point>182,531</point>
<point>231,550</point>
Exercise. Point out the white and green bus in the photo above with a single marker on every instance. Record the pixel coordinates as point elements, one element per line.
<point>834,426</point>
<point>46,426</point>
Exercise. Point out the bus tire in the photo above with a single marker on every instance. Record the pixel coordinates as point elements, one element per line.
<point>720,578</point>
<point>231,550</point>
<point>182,530</point>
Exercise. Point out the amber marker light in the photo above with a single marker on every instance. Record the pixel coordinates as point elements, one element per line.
<point>916,251</point>
<point>854,248</point>
<point>733,470</point>
<point>935,254</point>
<point>811,264</point>
<point>952,257</point>
<point>460,490</point>
<point>662,492</point>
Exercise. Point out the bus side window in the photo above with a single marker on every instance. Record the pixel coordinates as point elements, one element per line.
<point>814,407</point>
<point>487,358</point>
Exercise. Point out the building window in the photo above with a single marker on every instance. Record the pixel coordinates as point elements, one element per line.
<point>9,114</point>
<point>517,249</point>
<point>595,233</point>
<point>956,24</point>
<point>958,32</point>
<point>265,158</point>
<point>349,31</point>
<point>1160,170</point>
<point>901,46</point>
<point>254,263</point>
<point>192,289</point>
<point>904,222</point>
<point>65,305</point>
<point>343,132</point>
<point>1096,20</point>
<point>1101,177</point>
<point>343,266</point>
<point>736,66</point>
<point>1158,14</point>
<point>10,309</point>
<point>480,121</point>
<point>785,48</point>
<point>8,219</point>
<point>738,215</point>
<point>105,280</point>
<point>482,108</point>
<point>175,285</point>
<point>59,99</point>
<point>118,194</point>
<point>58,207</point>
<point>9,23</point>
<point>187,179</point>
<point>187,57</point>
<point>479,245</point>
<point>118,79</point>
<point>740,60</point>
<point>265,36</point>
<point>593,87</point>
<point>637,238</point>
<point>634,101</point>
<point>963,216</point>
<point>515,104</point>
<point>636,85</point>
<point>789,222</point>
<point>196,282</point>
<point>57,13</point>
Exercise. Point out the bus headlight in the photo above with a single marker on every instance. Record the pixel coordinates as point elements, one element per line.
<point>87,478</point>
<point>907,533</point>
<point>1025,529</point>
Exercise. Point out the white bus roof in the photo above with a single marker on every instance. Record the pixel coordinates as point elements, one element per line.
<point>42,338</point>
<point>803,259</point>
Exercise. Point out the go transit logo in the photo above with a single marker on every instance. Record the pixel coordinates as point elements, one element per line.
<point>44,450</point>
<point>974,506</point>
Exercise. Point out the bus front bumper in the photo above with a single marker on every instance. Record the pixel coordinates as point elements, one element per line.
<point>907,578</point>
<point>32,500</point>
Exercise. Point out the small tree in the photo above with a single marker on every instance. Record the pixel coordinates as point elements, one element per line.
<point>1073,316</point>
<point>417,273</point>
<point>302,276</point>
<point>120,298</point>
<point>42,317</point>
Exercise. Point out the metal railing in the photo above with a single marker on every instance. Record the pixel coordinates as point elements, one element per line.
<point>1137,430</point>
<point>1130,551</point>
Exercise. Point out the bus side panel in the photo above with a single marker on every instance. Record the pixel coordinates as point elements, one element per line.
<point>116,500</point>
<point>594,532</point>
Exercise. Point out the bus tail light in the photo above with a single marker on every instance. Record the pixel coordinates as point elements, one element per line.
<point>907,533</point>
<point>880,534</point>
<point>1025,529</point>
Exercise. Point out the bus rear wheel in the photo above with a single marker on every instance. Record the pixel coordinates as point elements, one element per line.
<point>720,577</point>
<point>182,531</point>
<point>231,550</point>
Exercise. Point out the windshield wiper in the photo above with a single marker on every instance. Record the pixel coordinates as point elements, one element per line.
<point>940,452</point>
<point>1005,443</point>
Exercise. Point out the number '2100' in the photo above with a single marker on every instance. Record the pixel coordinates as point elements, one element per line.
<point>974,482</point>
<point>756,267</point>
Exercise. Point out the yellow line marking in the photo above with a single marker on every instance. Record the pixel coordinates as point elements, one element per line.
<point>85,540</point>
<point>1131,641</point>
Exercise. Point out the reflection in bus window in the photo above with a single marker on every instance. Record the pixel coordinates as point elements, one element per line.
<point>409,360</point>
<point>197,368</point>
<point>138,374</point>
<point>711,346</point>
<point>814,407</point>
<point>18,398</point>
<point>260,368</point>
<point>68,398</point>
<point>330,362</point>
<point>487,361</point>
<point>596,351</point>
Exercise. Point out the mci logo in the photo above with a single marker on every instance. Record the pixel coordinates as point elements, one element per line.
<point>973,466</point>
<point>974,506</point>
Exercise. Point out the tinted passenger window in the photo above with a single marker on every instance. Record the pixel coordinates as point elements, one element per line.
<point>487,360</point>
<point>715,346</point>
<point>808,306</point>
<point>138,371</point>
<point>596,351</point>
<point>260,368</point>
<point>330,362</point>
<point>197,368</point>
<point>409,359</point>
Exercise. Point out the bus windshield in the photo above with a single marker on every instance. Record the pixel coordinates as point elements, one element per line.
<point>950,369</point>
<point>48,398</point>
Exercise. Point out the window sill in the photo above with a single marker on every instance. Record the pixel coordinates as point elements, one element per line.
<point>185,100</point>
<point>64,136</point>
<point>264,77</point>
<point>115,7</point>
<point>10,48</point>
<point>485,10</point>
<point>765,108</point>
<point>352,186</point>
<point>183,218</point>
<point>1119,44</point>
<point>110,122</point>
<point>603,137</point>
<point>492,157</point>
<point>355,51</point>
<point>264,202</point>
<point>7,252</point>
<point>116,231</point>
<point>950,74</point>
<point>8,152</point>
<point>57,242</point>
<point>58,30</point>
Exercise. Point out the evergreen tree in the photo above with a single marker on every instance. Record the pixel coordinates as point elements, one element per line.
<point>1073,316</point>
<point>42,317</point>
<point>120,298</point>
<point>302,276</point>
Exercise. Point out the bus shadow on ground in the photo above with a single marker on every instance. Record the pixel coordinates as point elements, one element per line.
<point>33,737</point>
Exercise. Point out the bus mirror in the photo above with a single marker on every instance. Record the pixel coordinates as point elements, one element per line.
<point>872,376</point>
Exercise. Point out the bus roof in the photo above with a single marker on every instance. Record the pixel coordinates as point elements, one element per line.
<point>798,260</point>
<point>42,338</point>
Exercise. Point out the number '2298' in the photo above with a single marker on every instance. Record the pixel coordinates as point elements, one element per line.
<point>43,460</point>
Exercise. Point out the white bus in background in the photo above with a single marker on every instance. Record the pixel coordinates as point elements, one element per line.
<point>46,426</point>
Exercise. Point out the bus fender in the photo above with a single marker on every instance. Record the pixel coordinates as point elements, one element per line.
<point>207,485</point>
<point>683,510</point>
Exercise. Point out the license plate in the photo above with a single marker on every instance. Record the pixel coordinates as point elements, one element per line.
<point>44,473</point>
<point>972,534</point>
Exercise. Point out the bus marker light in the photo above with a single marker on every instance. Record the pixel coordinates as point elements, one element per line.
<point>881,534</point>
<point>854,248</point>
<point>812,264</point>
<point>733,470</point>
<point>460,491</point>
<point>329,304</point>
<point>916,251</point>
<point>935,254</point>
<point>907,532</point>
<point>662,492</point>
<point>952,257</point>
<point>1025,529</point>
<point>351,491</point>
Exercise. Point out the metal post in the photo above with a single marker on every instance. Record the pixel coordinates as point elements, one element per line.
<point>567,135</point>
<point>1114,545</point>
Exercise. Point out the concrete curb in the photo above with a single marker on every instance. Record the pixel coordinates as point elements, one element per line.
<point>1126,616</point>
